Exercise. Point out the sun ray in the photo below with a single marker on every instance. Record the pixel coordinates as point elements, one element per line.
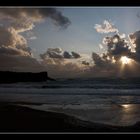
<point>125,64</point>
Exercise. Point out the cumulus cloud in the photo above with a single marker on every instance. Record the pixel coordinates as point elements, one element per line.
<point>135,41</point>
<point>106,27</point>
<point>11,41</point>
<point>24,18</point>
<point>15,54</point>
<point>58,53</point>
<point>9,37</point>
<point>117,46</point>
<point>63,63</point>
<point>52,53</point>
<point>14,51</point>
<point>103,66</point>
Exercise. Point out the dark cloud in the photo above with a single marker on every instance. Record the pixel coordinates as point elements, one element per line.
<point>59,54</point>
<point>21,20</point>
<point>85,63</point>
<point>135,40</point>
<point>75,55</point>
<point>117,46</point>
<point>26,16</point>
<point>103,62</point>
<point>67,55</point>
<point>56,16</point>
<point>52,53</point>
<point>62,62</point>
<point>19,63</point>
<point>97,59</point>
<point>14,51</point>
<point>109,63</point>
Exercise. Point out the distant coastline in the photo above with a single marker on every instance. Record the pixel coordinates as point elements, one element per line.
<point>13,77</point>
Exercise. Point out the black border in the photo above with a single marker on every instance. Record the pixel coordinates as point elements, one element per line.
<point>70,3</point>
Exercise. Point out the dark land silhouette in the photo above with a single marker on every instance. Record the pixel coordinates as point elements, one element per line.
<point>13,77</point>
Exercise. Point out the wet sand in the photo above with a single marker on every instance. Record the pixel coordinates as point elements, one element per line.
<point>15,118</point>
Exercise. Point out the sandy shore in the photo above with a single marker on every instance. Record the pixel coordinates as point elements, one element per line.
<point>15,118</point>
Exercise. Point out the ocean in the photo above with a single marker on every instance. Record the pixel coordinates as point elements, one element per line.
<point>103,100</point>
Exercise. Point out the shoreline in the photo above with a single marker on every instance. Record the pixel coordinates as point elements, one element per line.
<point>16,118</point>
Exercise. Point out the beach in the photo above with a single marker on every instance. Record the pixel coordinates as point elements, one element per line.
<point>17,118</point>
<point>88,105</point>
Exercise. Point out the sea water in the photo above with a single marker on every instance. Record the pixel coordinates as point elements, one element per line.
<point>102,100</point>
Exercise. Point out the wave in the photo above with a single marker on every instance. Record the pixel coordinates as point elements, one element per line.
<point>72,91</point>
<point>73,85</point>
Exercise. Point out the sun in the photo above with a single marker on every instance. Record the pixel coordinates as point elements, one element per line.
<point>125,60</point>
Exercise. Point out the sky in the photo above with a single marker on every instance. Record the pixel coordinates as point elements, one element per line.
<point>81,35</point>
<point>81,41</point>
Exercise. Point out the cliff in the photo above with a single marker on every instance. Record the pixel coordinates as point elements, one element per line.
<point>12,77</point>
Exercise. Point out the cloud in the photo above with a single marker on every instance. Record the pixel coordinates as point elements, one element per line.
<point>101,46</point>
<point>58,53</point>
<point>75,55</point>
<point>66,68</point>
<point>19,20</point>
<point>52,53</point>
<point>62,63</point>
<point>24,18</point>
<point>67,55</point>
<point>20,63</point>
<point>106,27</point>
<point>117,46</point>
<point>97,59</point>
<point>85,63</point>
<point>13,43</point>
<point>103,66</point>
<point>109,62</point>
<point>14,51</point>
<point>135,41</point>
<point>10,37</point>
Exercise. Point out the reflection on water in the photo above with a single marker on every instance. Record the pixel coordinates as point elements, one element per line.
<point>114,114</point>
<point>127,107</point>
<point>113,109</point>
<point>115,102</point>
<point>128,115</point>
